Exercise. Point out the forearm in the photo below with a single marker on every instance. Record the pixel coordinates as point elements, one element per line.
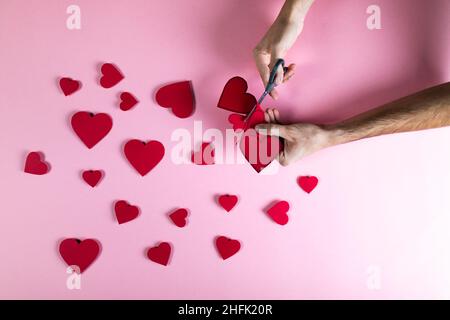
<point>426,109</point>
<point>294,11</point>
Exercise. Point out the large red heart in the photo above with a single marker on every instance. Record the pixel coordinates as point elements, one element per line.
<point>205,156</point>
<point>160,254</point>
<point>179,216</point>
<point>128,101</point>
<point>69,86</point>
<point>227,247</point>
<point>307,183</point>
<point>35,165</point>
<point>92,177</point>
<point>259,150</point>
<point>79,254</point>
<point>125,212</point>
<point>90,127</point>
<point>235,98</point>
<point>144,156</point>
<point>228,201</point>
<point>278,212</point>
<point>111,75</point>
<point>179,97</point>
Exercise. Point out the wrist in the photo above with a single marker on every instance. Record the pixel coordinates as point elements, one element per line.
<point>334,135</point>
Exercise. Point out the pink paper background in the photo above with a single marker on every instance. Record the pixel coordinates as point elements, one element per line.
<point>381,202</point>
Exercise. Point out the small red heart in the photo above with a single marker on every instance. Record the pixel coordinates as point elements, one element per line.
<point>179,217</point>
<point>228,201</point>
<point>144,156</point>
<point>227,247</point>
<point>307,183</point>
<point>69,86</point>
<point>205,156</point>
<point>92,177</point>
<point>35,165</point>
<point>128,101</point>
<point>90,127</point>
<point>79,254</point>
<point>111,75</point>
<point>160,254</point>
<point>278,212</point>
<point>235,97</point>
<point>125,212</point>
<point>256,118</point>
<point>179,97</point>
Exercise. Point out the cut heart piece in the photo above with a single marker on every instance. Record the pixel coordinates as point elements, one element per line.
<point>34,164</point>
<point>144,156</point>
<point>69,86</point>
<point>90,127</point>
<point>128,101</point>
<point>235,98</point>
<point>178,217</point>
<point>307,183</point>
<point>227,247</point>
<point>228,201</point>
<point>278,212</point>
<point>111,75</point>
<point>160,254</point>
<point>179,97</point>
<point>92,177</point>
<point>205,156</point>
<point>79,254</point>
<point>125,212</point>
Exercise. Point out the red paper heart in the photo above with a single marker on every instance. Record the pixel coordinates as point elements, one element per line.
<point>227,247</point>
<point>92,177</point>
<point>235,97</point>
<point>238,122</point>
<point>179,97</point>
<point>307,183</point>
<point>69,86</point>
<point>160,254</point>
<point>125,212</point>
<point>278,212</point>
<point>144,156</point>
<point>128,101</point>
<point>205,156</point>
<point>90,127</point>
<point>178,217</point>
<point>35,165</point>
<point>79,254</point>
<point>228,201</point>
<point>111,75</point>
<point>259,150</point>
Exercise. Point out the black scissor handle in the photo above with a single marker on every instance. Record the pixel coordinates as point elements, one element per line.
<point>273,74</point>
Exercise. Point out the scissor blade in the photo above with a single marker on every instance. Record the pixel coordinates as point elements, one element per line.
<point>260,100</point>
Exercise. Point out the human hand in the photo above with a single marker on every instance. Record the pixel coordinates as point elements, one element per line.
<point>300,139</point>
<point>274,45</point>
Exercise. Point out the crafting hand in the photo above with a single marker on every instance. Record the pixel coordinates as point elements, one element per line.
<point>300,139</point>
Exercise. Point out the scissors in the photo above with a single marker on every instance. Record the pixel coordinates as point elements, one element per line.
<point>269,87</point>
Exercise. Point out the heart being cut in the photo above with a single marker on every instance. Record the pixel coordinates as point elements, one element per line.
<point>235,97</point>
<point>259,149</point>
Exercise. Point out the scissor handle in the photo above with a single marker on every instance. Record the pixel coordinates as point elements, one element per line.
<point>273,74</point>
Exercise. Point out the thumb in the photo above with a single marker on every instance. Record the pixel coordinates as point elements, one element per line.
<point>271,129</point>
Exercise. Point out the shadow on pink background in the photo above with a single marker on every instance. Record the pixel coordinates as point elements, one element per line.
<point>381,204</point>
